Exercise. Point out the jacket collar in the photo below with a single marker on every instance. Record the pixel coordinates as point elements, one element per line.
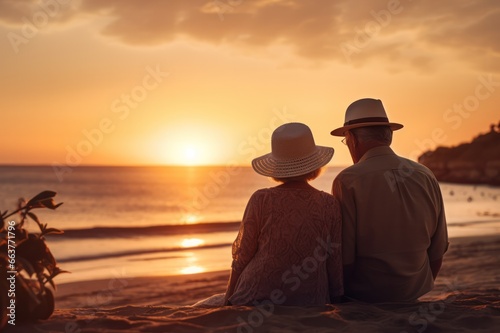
<point>377,151</point>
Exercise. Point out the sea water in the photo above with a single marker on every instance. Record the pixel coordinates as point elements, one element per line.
<point>133,221</point>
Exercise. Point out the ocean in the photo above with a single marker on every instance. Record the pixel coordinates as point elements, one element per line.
<point>135,221</point>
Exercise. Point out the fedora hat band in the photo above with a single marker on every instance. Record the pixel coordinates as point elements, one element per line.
<point>367,120</point>
<point>365,112</point>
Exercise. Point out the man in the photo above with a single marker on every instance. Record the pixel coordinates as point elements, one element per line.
<point>394,228</point>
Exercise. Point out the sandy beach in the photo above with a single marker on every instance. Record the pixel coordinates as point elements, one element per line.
<point>466,298</point>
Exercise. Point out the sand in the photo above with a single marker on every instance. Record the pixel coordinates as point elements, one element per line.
<point>466,299</point>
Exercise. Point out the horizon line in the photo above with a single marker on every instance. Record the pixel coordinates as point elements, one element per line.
<point>142,165</point>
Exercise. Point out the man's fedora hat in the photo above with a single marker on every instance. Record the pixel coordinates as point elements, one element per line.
<point>293,153</point>
<point>365,112</point>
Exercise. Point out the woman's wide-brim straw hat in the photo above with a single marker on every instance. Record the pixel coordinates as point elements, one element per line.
<point>293,153</point>
<point>365,112</point>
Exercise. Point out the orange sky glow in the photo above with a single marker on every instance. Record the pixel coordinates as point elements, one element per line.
<point>123,82</point>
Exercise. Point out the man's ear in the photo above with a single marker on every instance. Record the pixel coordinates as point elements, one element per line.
<point>353,139</point>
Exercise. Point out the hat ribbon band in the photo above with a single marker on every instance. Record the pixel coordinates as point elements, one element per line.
<point>367,120</point>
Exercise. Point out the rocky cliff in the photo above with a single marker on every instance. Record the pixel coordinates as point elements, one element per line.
<point>476,162</point>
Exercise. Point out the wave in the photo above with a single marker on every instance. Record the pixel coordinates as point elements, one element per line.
<point>178,229</point>
<point>139,252</point>
<point>159,230</point>
<point>469,223</point>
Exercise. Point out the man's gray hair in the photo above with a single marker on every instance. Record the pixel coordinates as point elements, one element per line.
<point>379,134</point>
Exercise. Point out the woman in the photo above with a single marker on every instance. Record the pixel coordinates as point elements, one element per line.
<point>288,248</point>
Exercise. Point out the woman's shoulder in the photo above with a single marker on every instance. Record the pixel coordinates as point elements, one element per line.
<point>325,195</point>
<point>329,198</point>
<point>260,194</point>
<point>313,193</point>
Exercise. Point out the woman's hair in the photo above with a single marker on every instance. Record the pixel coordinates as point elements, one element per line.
<point>307,177</point>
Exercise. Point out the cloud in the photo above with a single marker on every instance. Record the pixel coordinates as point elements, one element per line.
<point>17,13</point>
<point>411,33</point>
<point>12,11</point>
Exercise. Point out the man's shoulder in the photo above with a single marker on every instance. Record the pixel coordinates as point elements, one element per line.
<point>365,168</point>
<point>348,175</point>
<point>410,164</point>
<point>353,169</point>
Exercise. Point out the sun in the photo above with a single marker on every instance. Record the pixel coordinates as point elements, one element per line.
<point>189,145</point>
<point>191,155</point>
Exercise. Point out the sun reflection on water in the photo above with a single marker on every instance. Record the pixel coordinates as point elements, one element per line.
<point>192,270</point>
<point>190,218</point>
<point>191,242</point>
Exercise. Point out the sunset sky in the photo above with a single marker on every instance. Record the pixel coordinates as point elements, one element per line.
<point>124,82</point>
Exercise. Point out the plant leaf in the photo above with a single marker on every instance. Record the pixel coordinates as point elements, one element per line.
<point>50,279</point>
<point>34,217</point>
<point>26,265</point>
<point>53,231</point>
<point>44,195</point>
<point>56,272</point>
<point>49,203</point>
<point>20,203</point>
<point>48,259</point>
<point>42,199</point>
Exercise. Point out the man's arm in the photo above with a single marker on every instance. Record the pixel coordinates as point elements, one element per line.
<point>348,271</point>
<point>439,241</point>
<point>348,209</point>
<point>436,266</point>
